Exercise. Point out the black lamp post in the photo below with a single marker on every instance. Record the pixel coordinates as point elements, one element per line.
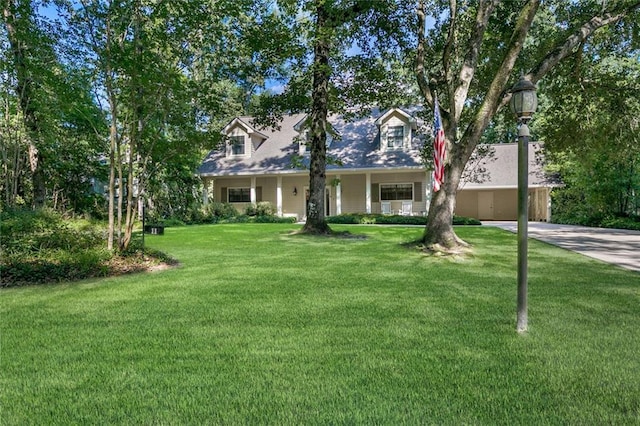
<point>523,104</point>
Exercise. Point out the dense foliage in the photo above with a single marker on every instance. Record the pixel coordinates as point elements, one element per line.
<point>42,247</point>
<point>381,219</point>
<point>589,123</point>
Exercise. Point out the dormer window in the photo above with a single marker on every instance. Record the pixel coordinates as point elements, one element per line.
<point>396,127</point>
<point>237,145</point>
<point>395,137</point>
<point>241,139</point>
<point>304,143</point>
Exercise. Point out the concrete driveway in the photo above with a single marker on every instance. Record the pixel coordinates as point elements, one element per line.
<point>617,246</point>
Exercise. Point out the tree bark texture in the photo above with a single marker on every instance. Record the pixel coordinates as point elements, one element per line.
<point>316,223</point>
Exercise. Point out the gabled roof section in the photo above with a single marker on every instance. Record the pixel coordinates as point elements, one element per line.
<point>408,117</point>
<point>301,124</point>
<point>496,166</point>
<point>243,122</point>
<point>304,122</point>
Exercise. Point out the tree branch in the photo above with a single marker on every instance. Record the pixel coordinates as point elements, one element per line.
<point>451,39</point>
<point>485,9</point>
<point>423,82</point>
<point>578,37</point>
<point>495,93</point>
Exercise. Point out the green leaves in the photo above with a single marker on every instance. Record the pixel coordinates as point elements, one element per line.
<point>590,125</point>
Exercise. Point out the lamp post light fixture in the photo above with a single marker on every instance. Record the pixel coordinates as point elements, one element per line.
<point>523,104</point>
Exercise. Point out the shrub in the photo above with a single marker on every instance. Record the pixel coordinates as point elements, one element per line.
<point>171,222</point>
<point>25,232</point>
<point>273,219</point>
<point>621,222</point>
<point>347,219</point>
<point>461,220</point>
<point>220,210</point>
<point>361,218</point>
<point>263,208</point>
<point>41,247</point>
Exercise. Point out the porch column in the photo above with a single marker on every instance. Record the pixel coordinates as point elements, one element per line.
<point>253,190</point>
<point>338,196</point>
<point>279,195</point>
<point>368,193</point>
<point>428,191</point>
<point>206,183</point>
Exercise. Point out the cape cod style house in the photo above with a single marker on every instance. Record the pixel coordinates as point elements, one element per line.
<point>375,168</point>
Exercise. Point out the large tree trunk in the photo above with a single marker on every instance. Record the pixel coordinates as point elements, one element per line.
<point>439,230</point>
<point>439,233</point>
<point>316,223</point>
<point>24,90</point>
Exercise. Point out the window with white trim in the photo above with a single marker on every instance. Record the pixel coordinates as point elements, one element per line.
<point>237,145</point>
<point>395,137</point>
<point>396,191</point>
<point>304,142</point>
<point>239,195</point>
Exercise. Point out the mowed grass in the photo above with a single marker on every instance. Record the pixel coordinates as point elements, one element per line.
<point>258,326</point>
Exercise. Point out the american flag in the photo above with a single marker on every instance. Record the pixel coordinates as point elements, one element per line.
<point>439,148</point>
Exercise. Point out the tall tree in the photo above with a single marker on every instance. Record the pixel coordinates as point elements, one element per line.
<point>51,96</point>
<point>471,57</point>
<point>162,70</point>
<point>30,47</point>
<point>591,127</point>
<point>352,44</point>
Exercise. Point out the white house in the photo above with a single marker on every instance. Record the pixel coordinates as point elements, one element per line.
<point>378,170</point>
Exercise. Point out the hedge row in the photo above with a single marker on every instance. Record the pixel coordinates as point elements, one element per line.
<point>380,219</point>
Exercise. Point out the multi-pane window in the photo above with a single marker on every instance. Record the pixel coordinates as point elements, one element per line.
<point>237,145</point>
<point>305,143</point>
<point>239,195</point>
<point>396,191</point>
<point>395,137</point>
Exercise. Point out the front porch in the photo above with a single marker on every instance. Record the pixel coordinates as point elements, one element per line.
<point>403,192</point>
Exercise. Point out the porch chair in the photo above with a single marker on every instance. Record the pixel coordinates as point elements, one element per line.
<point>386,207</point>
<point>407,208</point>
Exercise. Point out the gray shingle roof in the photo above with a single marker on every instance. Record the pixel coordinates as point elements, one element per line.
<point>357,146</point>
<point>496,166</point>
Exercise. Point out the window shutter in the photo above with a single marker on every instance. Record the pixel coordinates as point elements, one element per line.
<point>258,194</point>
<point>375,192</point>
<point>223,195</point>
<point>417,191</point>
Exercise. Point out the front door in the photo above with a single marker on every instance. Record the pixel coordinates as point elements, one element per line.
<point>327,201</point>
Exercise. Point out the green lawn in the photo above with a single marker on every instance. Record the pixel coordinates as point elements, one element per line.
<point>262,327</point>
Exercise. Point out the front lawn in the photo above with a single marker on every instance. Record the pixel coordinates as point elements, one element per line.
<point>258,326</point>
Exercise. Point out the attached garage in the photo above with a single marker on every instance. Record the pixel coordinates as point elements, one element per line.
<point>489,187</point>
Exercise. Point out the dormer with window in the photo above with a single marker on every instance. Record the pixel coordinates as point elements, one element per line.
<point>304,136</point>
<point>241,139</point>
<point>396,130</point>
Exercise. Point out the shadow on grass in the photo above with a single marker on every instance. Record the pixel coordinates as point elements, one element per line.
<point>331,234</point>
